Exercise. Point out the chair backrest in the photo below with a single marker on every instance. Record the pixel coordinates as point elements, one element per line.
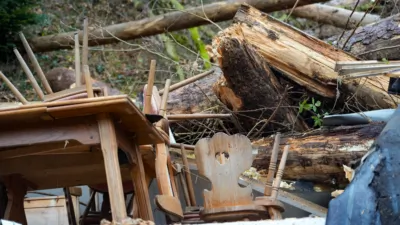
<point>222,159</point>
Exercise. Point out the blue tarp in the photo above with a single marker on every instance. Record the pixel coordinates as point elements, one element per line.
<point>373,196</point>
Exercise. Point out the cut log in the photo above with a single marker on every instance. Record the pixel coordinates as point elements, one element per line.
<point>333,15</point>
<point>319,156</point>
<point>215,12</point>
<point>250,84</point>
<point>305,60</point>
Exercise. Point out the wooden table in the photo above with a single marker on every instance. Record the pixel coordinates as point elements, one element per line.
<point>75,142</point>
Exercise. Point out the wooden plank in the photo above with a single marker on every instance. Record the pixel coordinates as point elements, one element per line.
<point>124,112</point>
<point>22,115</point>
<point>49,164</point>
<point>49,210</point>
<point>188,176</point>
<point>94,176</point>
<point>67,93</point>
<point>141,185</point>
<point>82,129</point>
<point>109,148</point>
<point>62,147</point>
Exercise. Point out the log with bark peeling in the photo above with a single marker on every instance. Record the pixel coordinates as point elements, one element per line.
<point>250,84</point>
<point>205,14</point>
<point>305,60</point>
<point>319,156</point>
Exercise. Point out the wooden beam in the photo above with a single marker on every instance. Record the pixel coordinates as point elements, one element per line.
<point>201,15</point>
<point>109,148</point>
<point>83,130</point>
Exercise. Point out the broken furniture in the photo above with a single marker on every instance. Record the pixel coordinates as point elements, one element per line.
<point>168,200</point>
<point>70,143</point>
<point>222,159</point>
<point>269,200</point>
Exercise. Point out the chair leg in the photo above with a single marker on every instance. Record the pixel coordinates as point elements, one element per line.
<point>70,207</point>
<point>16,191</point>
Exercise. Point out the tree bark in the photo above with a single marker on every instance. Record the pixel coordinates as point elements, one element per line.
<point>250,84</point>
<point>195,97</point>
<point>305,60</point>
<point>319,156</point>
<point>375,41</point>
<point>333,15</point>
<point>178,20</point>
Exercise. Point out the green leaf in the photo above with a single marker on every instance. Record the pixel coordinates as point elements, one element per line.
<point>318,104</point>
<point>307,106</point>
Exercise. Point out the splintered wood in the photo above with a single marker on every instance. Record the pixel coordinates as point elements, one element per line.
<point>303,59</point>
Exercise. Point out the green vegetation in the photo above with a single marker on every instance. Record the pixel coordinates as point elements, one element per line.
<point>14,16</point>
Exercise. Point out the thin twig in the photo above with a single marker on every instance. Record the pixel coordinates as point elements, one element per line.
<point>266,121</point>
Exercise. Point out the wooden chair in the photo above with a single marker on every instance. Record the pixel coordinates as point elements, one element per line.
<point>168,200</point>
<point>222,159</point>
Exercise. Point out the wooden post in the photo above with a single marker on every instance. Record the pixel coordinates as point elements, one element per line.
<point>13,89</point>
<point>272,166</point>
<point>35,63</point>
<point>16,191</point>
<point>149,89</point>
<point>188,176</point>
<point>88,81</point>
<point>185,82</point>
<point>274,213</point>
<point>29,74</point>
<point>109,148</point>
<point>85,43</point>
<point>141,185</point>
<point>78,78</point>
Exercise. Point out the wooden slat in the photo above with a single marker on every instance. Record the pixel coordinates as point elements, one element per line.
<point>62,147</point>
<point>29,74</point>
<point>35,63</point>
<point>124,112</point>
<point>78,78</point>
<point>14,117</point>
<point>68,92</point>
<point>83,130</point>
<point>13,89</point>
<point>49,164</point>
<point>95,176</point>
<point>64,102</point>
<point>141,186</point>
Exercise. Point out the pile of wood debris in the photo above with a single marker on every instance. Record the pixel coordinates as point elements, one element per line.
<point>265,67</point>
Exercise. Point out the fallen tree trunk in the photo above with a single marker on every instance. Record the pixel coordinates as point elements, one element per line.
<point>375,41</point>
<point>179,20</point>
<point>305,60</point>
<point>319,156</point>
<point>196,97</point>
<point>333,15</point>
<point>372,38</point>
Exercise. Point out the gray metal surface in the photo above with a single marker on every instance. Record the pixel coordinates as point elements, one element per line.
<point>382,115</point>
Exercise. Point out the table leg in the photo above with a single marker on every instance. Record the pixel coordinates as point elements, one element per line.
<point>141,183</point>
<point>16,191</point>
<point>109,148</point>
